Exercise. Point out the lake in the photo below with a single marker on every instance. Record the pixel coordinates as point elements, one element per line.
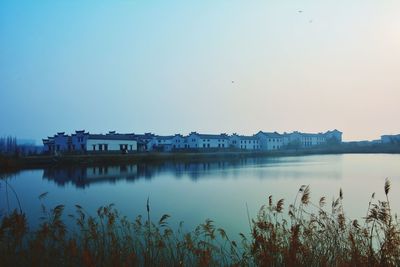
<point>219,190</point>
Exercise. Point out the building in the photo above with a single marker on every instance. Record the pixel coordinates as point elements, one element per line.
<point>390,139</point>
<point>305,140</point>
<point>48,145</point>
<point>79,140</point>
<point>82,141</point>
<point>270,141</point>
<point>111,143</point>
<point>160,143</point>
<point>143,140</point>
<point>179,142</point>
<point>207,141</point>
<point>335,136</point>
<point>244,142</point>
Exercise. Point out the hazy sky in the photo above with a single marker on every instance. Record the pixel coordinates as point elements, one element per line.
<point>206,66</point>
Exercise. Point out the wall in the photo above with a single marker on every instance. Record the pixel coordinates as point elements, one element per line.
<point>113,145</point>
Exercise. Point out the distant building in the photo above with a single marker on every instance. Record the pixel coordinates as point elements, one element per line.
<point>111,143</point>
<point>62,142</point>
<point>206,141</point>
<point>270,141</point>
<point>390,139</point>
<point>334,135</point>
<point>143,140</point>
<point>244,142</point>
<point>79,140</point>
<point>178,142</point>
<point>305,140</point>
<point>48,145</point>
<point>160,143</point>
<point>82,141</point>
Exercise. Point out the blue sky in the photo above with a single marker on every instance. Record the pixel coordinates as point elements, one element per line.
<point>208,66</point>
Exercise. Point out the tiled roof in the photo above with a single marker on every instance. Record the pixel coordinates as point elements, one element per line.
<point>112,137</point>
<point>271,135</point>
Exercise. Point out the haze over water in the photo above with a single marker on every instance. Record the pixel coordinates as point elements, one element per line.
<point>176,66</point>
<point>218,190</point>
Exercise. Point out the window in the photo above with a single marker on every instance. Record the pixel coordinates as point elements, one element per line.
<point>94,147</point>
<point>204,145</point>
<point>100,147</point>
<point>208,145</point>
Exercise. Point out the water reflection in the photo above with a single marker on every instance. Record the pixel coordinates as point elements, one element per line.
<point>83,176</point>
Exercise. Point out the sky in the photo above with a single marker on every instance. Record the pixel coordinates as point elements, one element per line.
<point>208,66</point>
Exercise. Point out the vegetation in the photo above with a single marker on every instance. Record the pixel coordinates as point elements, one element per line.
<point>307,235</point>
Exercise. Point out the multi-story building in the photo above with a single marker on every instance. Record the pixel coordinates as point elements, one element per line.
<point>82,141</point>
<point>270,141</point>
<point>206,141</point>
<point>160,143</point>
<point>305,140</point>
<point>244,142</point>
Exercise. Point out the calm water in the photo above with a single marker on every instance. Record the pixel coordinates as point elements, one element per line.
<point>218,190</point>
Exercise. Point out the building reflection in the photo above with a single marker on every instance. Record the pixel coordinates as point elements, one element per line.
<point>83,176</point>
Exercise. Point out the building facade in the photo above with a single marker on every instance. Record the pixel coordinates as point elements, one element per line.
<point>244,142</point>
<point>207,141</point>
<point>270,141</point>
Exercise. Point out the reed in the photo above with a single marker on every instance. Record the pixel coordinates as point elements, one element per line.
<point>305,234</point>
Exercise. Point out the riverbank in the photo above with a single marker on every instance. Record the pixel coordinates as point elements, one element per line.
<point>15,163</point>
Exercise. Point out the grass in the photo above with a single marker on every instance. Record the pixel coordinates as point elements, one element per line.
<point>304,234</point>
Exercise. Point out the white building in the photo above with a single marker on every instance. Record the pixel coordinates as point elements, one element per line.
<point>160,143</point>
<point>270,141</point>
<point>178,142</point>
<point>244,142</point>
<point>207,141</point>
<point>111,143</point>
<point>305,140</point>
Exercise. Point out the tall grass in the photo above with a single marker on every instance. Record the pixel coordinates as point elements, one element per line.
<point>307,234</point>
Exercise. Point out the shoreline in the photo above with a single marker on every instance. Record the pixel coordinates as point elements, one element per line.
<point>15,163</point>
